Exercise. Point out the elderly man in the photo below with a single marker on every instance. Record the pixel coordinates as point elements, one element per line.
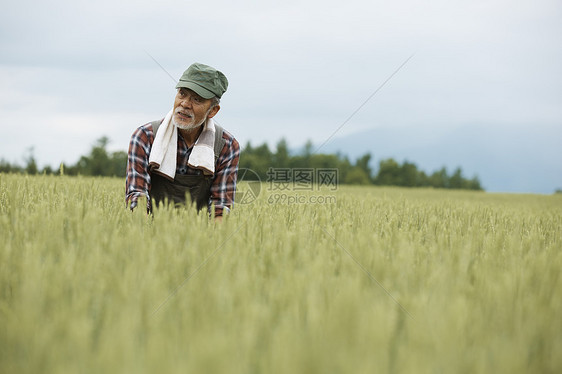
<point>186,154</point>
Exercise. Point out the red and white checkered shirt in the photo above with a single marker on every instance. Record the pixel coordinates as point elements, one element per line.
<point>223,186</point>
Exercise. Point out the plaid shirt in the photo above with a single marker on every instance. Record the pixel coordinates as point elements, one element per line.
<point>223,186</point>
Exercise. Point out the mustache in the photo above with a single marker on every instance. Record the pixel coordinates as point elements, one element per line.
<point>183,112</point>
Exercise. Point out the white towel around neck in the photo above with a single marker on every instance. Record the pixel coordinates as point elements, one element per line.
<point>163,155</point>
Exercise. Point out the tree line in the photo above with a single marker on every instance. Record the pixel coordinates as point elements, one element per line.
<point>262,160</point>
<point>99,162</point>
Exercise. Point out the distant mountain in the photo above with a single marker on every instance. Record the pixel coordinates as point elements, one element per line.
<point>517,159</point>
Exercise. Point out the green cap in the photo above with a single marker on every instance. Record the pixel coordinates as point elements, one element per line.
<point>206,81</point>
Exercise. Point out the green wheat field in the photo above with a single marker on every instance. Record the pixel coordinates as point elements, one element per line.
<point>372,280</point>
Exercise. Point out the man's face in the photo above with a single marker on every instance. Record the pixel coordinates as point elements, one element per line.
<point>191,110</point>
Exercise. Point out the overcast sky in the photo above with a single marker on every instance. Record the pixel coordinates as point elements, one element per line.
<point>73,71</point>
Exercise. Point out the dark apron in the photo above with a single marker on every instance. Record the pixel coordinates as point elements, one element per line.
<point>184,189</point>
<point>190,189</point>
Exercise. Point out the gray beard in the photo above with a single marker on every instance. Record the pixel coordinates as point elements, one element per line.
<point>193,126</point>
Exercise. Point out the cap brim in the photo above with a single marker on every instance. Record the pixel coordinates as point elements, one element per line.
<point>199,90</point>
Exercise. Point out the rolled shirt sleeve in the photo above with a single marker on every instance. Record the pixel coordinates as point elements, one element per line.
<point>138,177</point>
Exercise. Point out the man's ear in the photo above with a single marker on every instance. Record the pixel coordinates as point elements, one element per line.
<point>214,111</point>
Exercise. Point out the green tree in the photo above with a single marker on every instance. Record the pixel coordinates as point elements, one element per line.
<point>259,159</point>
<point>308,149</point>
<point>439,179</point>
<point>357,176</point>
<point>389,173</point>
<point>363,164</point>
<point>7,167</point>
<point>119,163</point>
<point>47,170</point>
<point>474,184</point>
<point>30,163</point>
<point>456,180</point>
<point>423,179</point>
<point>281,158</point>
<point>409,176</point>
<point>99,162</point>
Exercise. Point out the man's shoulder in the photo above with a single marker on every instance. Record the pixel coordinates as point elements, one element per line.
<point>231,146</point>
<point>147,130</point>
<point>152,126</point>
<point>228,137</point>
